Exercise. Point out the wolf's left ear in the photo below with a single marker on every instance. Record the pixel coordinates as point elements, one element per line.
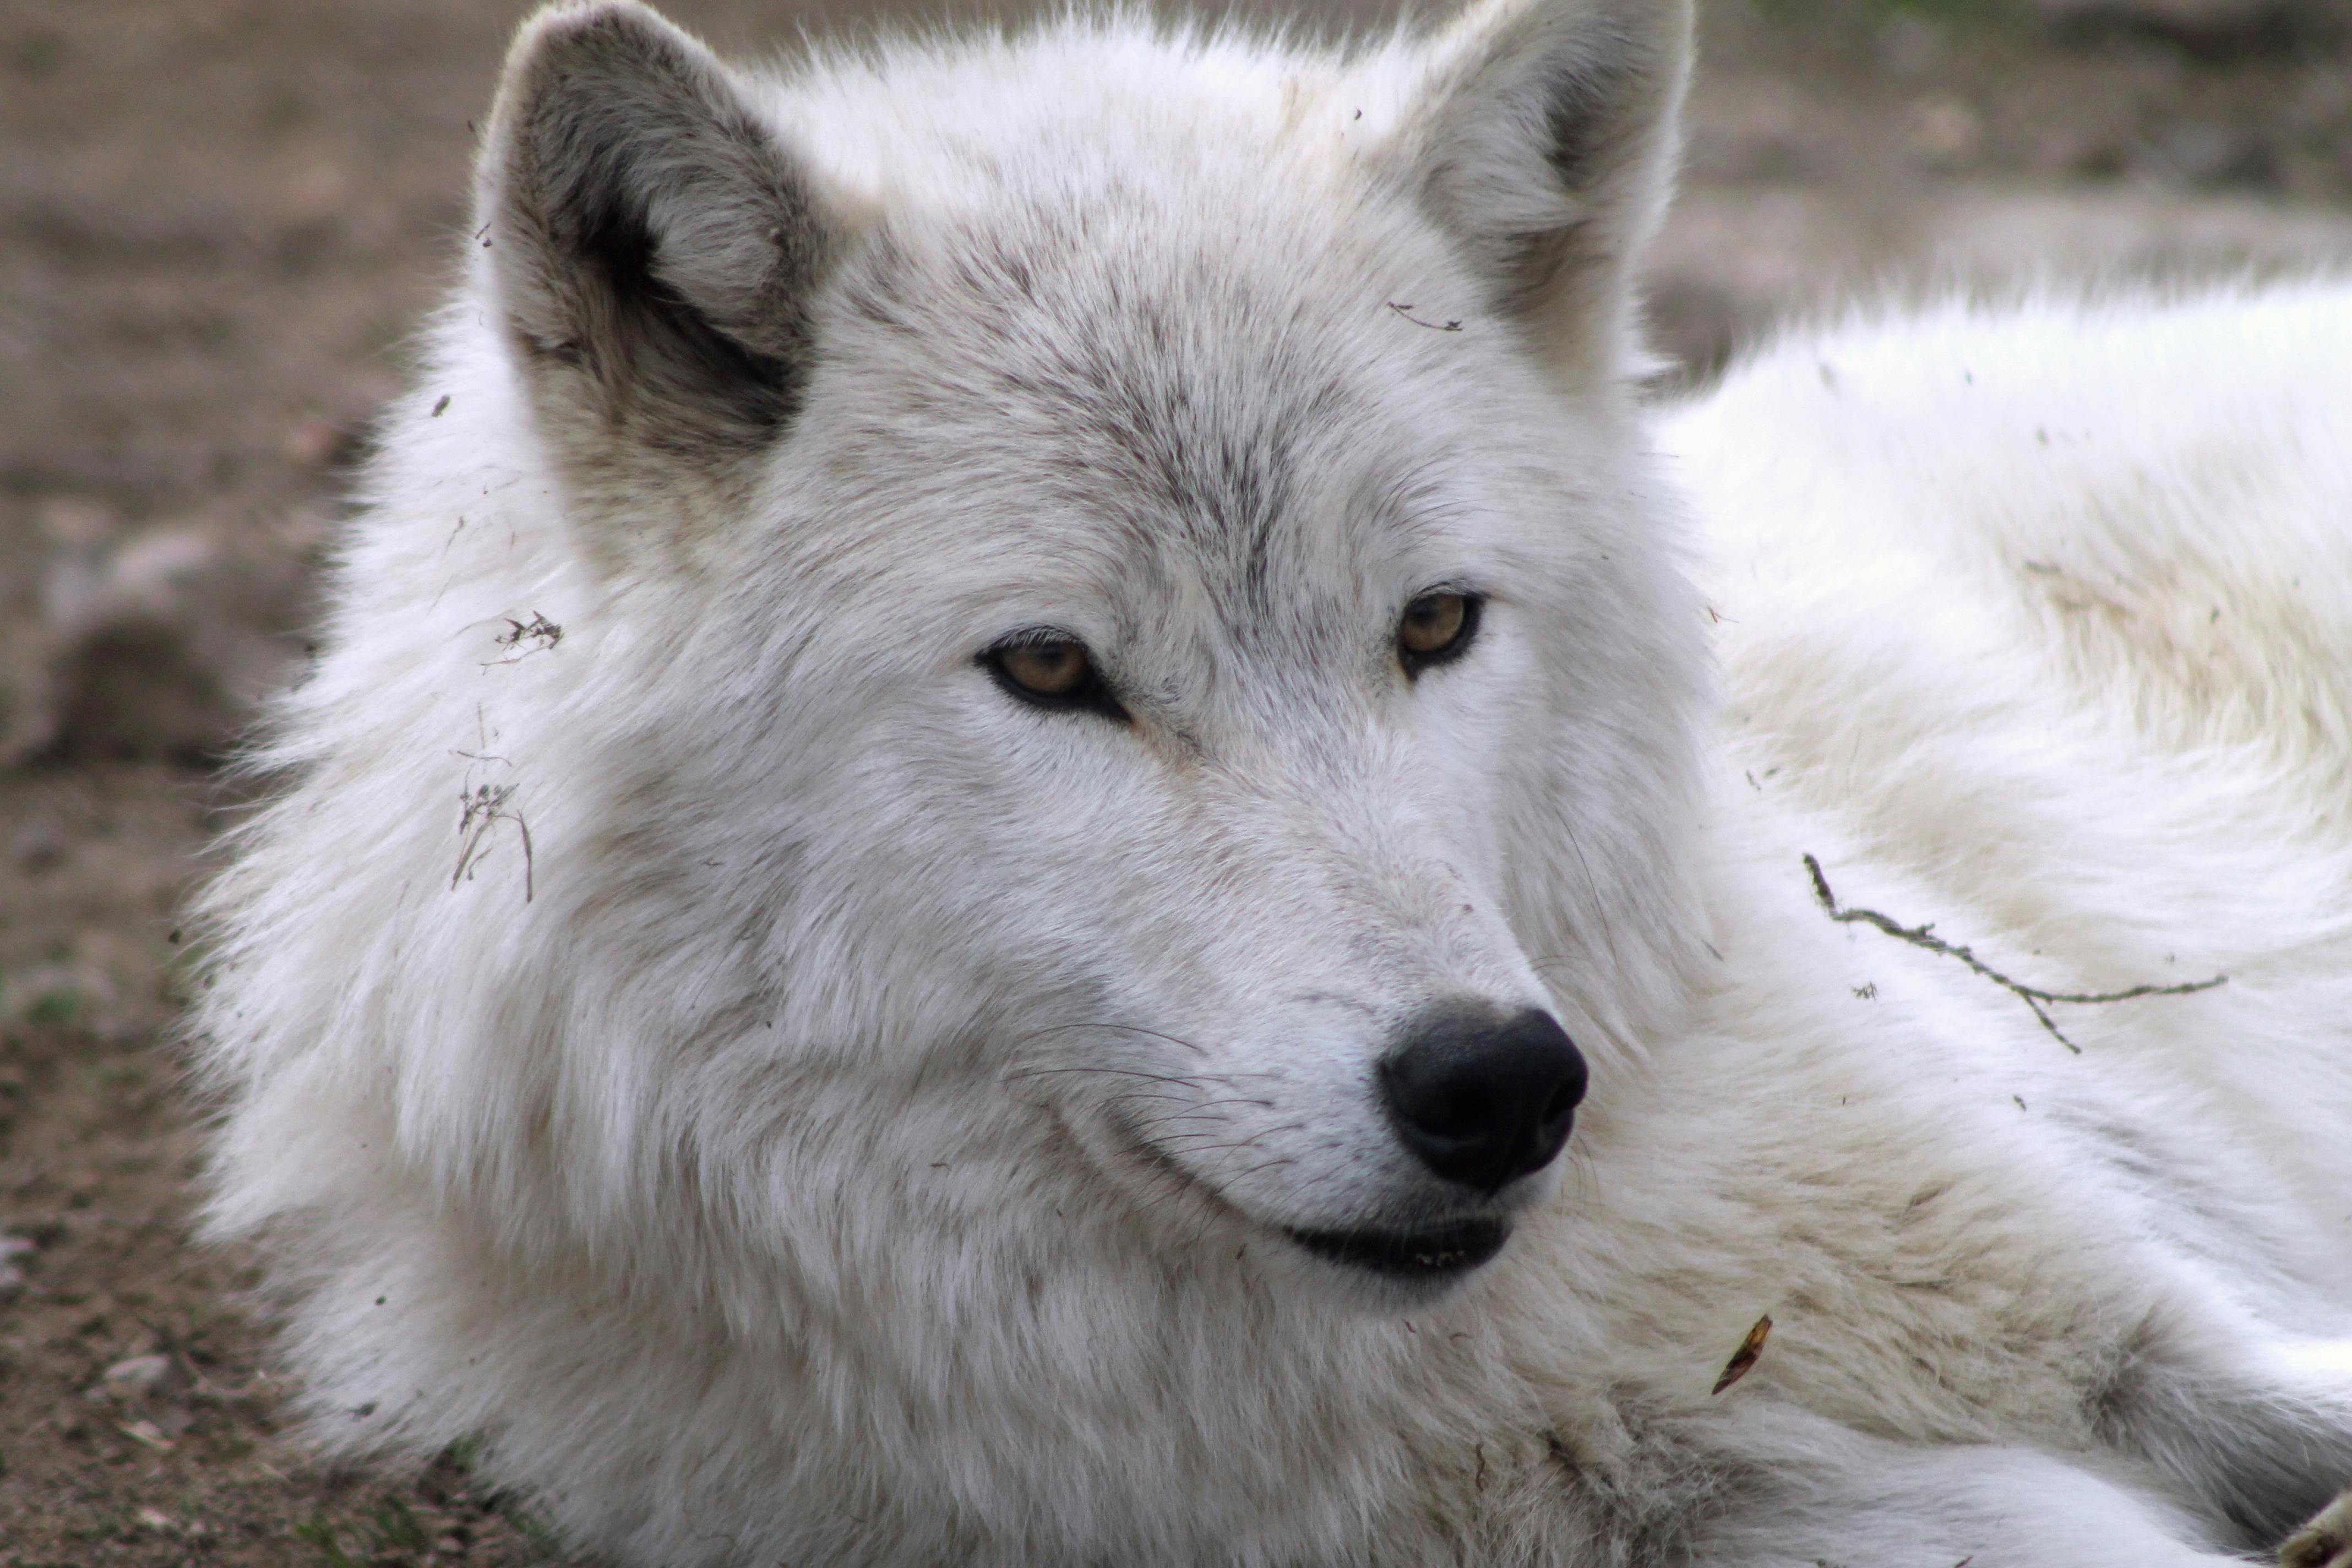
<point>654,247</point>
<point>1543,136</point>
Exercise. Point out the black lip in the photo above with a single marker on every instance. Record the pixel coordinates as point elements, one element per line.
<point>1439,1252</point>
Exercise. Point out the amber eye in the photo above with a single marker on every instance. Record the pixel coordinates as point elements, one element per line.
<point>1437,627</point>
<point>1049,670</point>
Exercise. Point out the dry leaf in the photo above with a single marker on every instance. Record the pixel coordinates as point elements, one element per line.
<point>1745,1356</point>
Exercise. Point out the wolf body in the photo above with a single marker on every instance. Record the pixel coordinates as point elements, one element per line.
<point>695,1021</point>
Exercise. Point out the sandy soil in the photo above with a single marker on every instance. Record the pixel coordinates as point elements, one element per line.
<point>217,220</point>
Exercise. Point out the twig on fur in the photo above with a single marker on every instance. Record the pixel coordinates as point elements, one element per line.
<point>484,808</point>
<point>539,632</point>
<point>1406,311</point>
<point>2033,996</point>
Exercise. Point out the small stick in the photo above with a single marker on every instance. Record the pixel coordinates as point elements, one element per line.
<point>2033,996</point>
<point>540,632</point>
<point>1406,311</point>
<point>485,809</point>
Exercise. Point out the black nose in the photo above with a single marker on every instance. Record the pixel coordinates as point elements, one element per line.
<point>1482,1102</point>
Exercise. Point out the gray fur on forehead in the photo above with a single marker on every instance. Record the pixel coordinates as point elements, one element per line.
<point>1131,371</point>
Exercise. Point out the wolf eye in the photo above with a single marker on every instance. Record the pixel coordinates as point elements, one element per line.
<point>1046,669</point>
<point>1437,627</point>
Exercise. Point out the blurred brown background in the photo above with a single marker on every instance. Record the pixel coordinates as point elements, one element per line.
<point>218,221</point>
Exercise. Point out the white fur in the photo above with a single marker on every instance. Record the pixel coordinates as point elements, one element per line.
<point>756,1163</point>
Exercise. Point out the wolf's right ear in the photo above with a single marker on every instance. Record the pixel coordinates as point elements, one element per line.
<point>652,245</point>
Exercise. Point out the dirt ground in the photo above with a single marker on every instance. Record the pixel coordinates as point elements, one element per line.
<point>218,218</point>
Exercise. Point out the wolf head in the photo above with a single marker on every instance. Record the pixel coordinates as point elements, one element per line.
<point>1124,687</point>
<point>1141,622</point>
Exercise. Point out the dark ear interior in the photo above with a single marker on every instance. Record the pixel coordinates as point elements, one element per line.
<point>1546,144</point>
<point>654,246</point>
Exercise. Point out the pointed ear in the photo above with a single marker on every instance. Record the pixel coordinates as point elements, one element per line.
<point>652,245</point>
<point>1544,137</point>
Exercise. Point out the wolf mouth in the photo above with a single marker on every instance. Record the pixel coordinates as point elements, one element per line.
<point>1437,1253</point>
<point>1434,1254</point>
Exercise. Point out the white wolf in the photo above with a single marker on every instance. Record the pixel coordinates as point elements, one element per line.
<point>1011,721</point>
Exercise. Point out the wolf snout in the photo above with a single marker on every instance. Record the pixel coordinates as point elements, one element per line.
<point>1482,1101</point>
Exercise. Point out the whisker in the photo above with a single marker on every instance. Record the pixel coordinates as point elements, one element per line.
<point>1136,1096</point>
<point>1163,1131</point>
<point>1166,1117</point>
<point>1126,1028</point>
<point>1273,1165</point>
<point>1253,1140</point>
<point>1124,1072</point>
